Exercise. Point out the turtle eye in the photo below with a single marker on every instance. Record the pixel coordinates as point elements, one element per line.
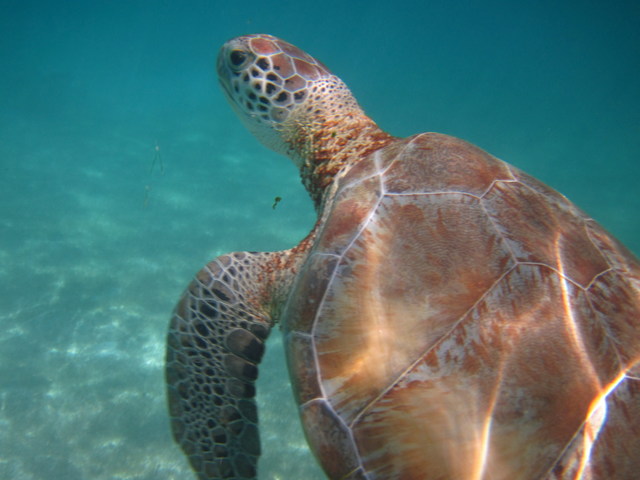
<point>238,59</point>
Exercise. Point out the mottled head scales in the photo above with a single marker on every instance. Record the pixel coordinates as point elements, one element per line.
<point>294,105</point>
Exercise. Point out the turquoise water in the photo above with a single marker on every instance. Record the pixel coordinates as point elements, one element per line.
<point>122,171</point>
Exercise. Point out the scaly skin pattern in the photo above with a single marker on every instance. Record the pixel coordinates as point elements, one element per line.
<point>215,342</point>
<point>295,106</point>
<point>449,316</point>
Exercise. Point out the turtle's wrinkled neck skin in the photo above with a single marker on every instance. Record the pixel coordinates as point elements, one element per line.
<point>295,106</point>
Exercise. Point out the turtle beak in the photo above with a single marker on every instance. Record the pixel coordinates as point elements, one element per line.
<point>234,58</point>
<point>222,71</point>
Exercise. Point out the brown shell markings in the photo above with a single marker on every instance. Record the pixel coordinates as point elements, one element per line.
<point>458,317</point>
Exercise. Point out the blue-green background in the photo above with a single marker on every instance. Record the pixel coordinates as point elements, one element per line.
<point>96,245</point>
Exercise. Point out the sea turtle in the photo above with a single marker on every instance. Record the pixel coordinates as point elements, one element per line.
<point>448,317</point>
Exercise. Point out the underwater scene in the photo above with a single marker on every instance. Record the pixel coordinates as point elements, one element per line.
<point>123,171</point>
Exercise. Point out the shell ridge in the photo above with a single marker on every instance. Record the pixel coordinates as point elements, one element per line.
<point>323,393</point>
<point>401,154</point>
<point>312,334</point>
<point>363,226</point>
<point>497,230</point>
<point>615,342</point>
<point>337,429</point>
<point>325,254</point>
<point>589,225</point>
<point>566,204</point>
<point>498,180</point>
<point>596,277</point>
<point>587,443</point>
<point>444,192</point>
<point>420,357</point>
<point>379,172</point>
<point>567,447</point>
<point>560,274</point>
<point>510,170</point>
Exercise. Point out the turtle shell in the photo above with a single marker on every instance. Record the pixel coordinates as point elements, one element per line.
<point>456,318</point>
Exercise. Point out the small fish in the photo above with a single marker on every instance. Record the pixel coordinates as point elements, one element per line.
<point>276,201</point>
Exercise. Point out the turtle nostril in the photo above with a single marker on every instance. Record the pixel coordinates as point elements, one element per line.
<point>237,57</point>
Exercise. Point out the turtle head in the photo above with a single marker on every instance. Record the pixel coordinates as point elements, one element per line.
<point>294,105</point>
<point>275,87</point>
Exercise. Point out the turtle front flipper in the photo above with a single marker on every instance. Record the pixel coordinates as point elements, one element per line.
<point>215,343</point>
